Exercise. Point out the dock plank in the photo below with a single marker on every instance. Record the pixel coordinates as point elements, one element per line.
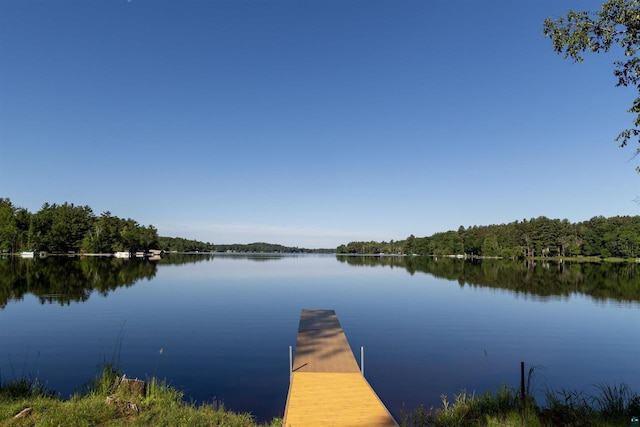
<point>327,387</point>
<point>321,345</point>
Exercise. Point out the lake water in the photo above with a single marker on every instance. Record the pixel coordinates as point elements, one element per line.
<point>221,326</point>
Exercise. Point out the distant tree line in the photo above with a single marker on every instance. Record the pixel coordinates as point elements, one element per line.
<point>70,228</point>
<point>617,236</point>
<point>179,244</point>
<point>267,247</point>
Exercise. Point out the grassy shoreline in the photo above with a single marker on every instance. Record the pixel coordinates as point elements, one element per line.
<point>609,406</point>
<point>106,402</point>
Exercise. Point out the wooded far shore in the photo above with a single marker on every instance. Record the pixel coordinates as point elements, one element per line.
<point>68,228</point>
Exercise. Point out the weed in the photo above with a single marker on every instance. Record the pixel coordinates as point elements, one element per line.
<point>612,400</point>
<point>117,349</point>
<point>161,405</point>
<point>22,389</point>
<point>610,406</point>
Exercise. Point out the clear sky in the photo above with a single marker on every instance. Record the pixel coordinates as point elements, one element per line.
<point>308,123</point>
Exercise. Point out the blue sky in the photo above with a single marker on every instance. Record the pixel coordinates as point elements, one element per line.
<point>308,123</point>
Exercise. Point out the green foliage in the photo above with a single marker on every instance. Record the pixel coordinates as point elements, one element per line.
<point>266,247</point>
<point>59,228</point>
<point>538,237</point>
<point>179,244</point>
<point>377,248</point>
<point>9,231</point>
<point>615,26</point>
<point>69,228</point>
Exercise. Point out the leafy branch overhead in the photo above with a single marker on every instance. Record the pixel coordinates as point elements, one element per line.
<point>616,24</point>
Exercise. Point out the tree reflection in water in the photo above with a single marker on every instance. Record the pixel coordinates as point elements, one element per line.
<point>601,281</point>
<point>64,280</point>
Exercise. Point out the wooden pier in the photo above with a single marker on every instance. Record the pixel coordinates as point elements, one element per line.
<point>327,387</point>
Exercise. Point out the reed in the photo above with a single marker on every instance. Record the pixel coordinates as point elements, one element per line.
<point>608,406</point>
<point>616,401</point>
<point>23,388</point>
<point>103,403</point>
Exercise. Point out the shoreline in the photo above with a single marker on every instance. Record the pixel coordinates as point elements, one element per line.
<point>111,399</point>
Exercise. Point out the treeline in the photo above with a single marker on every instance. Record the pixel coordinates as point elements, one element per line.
<point>617,236</point>
<point>69,228</point>
<point>179,244</point>
<point>267,247</point>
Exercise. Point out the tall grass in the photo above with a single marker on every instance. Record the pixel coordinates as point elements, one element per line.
<point>23,388</point>
<point>470,410</point>
<point>616,402</point>
<point>103,403</point>
<point>607,406</point>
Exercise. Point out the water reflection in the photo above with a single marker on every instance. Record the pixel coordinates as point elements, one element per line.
<point>225,322</point>
<point>543,280</point>
<point>64,280</point>
<point>193,258</point>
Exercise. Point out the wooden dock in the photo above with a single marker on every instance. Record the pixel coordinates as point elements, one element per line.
<point>327,387</point>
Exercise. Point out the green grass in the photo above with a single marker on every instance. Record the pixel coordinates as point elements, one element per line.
<point>609,406</point>
<point>501,408</point>
<point>103,403</point>
<point>161,405</point>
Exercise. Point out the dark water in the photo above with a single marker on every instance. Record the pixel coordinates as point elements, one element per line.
<point>221,326</point>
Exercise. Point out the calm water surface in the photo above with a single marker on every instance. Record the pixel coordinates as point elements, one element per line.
<point>220,327</point>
